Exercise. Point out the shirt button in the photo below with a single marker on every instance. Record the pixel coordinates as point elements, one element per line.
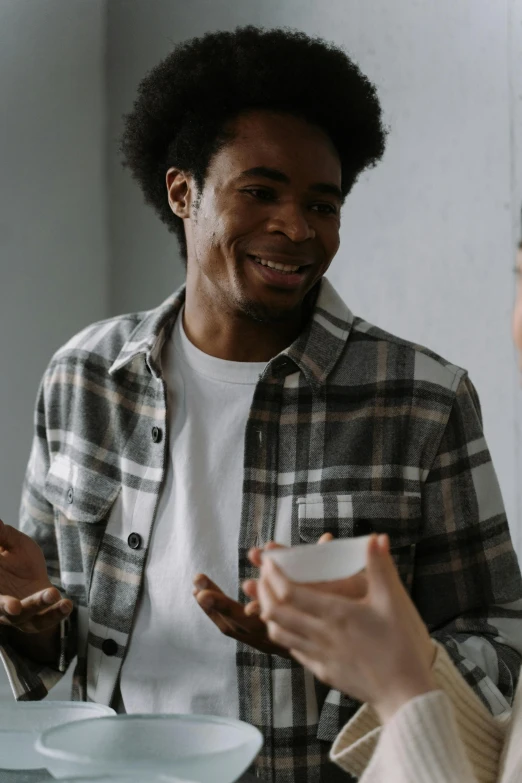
<point>156,434</point>
<point>70,495</point>
<point>110,647</point>
<point>134,541</point>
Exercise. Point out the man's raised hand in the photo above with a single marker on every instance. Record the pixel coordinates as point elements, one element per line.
<point>242,622</point>
<point>28,601</point>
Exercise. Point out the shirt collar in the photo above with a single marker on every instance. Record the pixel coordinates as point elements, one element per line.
<point>319,347</point>
<point>149,336</point>
<point>315,351</point>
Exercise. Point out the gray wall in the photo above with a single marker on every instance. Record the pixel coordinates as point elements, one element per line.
<point>428,237</point>
<point>53,243</point>
<point>514,55</point>
<point>53,211</point>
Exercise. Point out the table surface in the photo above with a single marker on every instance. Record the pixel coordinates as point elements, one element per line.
<point>40,775</point>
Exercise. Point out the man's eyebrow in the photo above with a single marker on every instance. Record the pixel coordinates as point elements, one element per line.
<point>279,176</point>
<point>268,173</point>
<point>326,187</point>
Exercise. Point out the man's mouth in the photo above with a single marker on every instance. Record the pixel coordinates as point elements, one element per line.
<point>285,269</point>
<point>278,275</point>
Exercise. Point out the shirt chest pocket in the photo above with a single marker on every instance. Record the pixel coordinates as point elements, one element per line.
<point>82,500</point>
<point>362,513</point>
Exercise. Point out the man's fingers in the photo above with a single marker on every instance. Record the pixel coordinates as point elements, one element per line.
<point>37,602</point>
<point>232,620</point>
<point>20,612</point>
<point>52,616</point>
<point>35,623</point>
<point>230,610</point>
<point>46,620</point>
<point>253,609</point>
<point>229,628</point>
<point>226,627</point>
<point>9,606</point>
<point>202,582</point>
<point>42,600</point>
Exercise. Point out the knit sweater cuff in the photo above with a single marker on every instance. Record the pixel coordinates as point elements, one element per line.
<point>421,742</point>
<point>481,734</point>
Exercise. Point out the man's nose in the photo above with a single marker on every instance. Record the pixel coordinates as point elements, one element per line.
<point>290,219</point>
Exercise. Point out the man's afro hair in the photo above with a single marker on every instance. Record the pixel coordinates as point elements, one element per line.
<point>185,103</point>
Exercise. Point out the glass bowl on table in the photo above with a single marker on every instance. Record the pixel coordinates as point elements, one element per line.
<point>21,723</point>
<point>126,778</point>
<point>198,748</point>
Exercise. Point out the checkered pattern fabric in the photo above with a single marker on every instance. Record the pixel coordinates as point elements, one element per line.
<point>351,430</point>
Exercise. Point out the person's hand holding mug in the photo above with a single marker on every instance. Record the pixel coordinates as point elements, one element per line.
<point>375,648</point>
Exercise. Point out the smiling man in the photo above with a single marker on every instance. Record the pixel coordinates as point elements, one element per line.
<point>251,265</point>
<point>252,405</point>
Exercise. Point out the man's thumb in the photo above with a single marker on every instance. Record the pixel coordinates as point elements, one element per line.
<point>5,536</point>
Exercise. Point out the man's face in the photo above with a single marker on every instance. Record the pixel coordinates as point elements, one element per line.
<point>272,194</point>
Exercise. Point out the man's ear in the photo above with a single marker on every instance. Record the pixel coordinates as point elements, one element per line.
<point>180,189</point>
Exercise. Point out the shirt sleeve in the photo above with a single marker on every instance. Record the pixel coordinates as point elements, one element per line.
<point>30,680</point>
<point>467,584</point>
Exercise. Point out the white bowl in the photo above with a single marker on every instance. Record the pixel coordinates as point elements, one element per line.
<point>22,722</point>
<point>337,559</point>
<point>200,748</point>
<point>129,777</point>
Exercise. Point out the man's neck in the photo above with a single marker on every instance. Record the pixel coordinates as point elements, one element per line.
<point>238,339</point>
<point>233,336</point>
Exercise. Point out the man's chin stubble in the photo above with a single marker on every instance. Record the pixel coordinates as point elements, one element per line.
<point>263,314</point>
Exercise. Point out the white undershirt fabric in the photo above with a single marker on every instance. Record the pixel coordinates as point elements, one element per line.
<point>178,661</point>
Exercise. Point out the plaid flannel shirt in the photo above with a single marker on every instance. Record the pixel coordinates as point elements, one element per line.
<point>351,430</point>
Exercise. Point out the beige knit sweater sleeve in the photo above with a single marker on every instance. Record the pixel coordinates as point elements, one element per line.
<point>444,736</point>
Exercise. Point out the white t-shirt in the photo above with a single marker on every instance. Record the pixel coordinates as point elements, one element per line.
<point>178,661</point>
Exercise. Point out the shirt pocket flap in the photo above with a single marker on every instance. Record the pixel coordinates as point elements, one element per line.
<point>80,494</point>
<point>361,513</point>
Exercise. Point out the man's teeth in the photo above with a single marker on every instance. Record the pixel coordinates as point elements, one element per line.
<point>279,267</point>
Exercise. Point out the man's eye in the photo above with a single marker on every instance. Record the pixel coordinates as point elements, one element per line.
<point>326,209</point>
<point>260,193</point>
